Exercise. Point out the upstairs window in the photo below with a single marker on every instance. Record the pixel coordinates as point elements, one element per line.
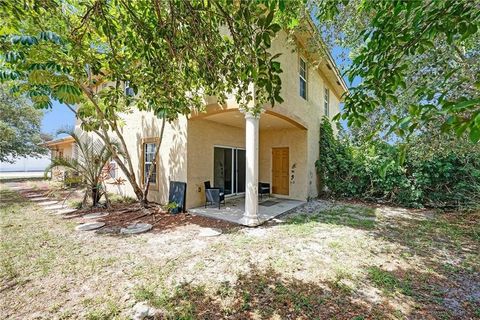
<point>148,156</point>
<point>326,103</point>
<point>303,78</point>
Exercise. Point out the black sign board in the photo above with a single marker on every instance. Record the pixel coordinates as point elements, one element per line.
<point>178,194</point>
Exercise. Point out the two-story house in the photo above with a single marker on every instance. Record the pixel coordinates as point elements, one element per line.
<point>235,150</point>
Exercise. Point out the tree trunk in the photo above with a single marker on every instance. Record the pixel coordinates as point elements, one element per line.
<point>95,196</point>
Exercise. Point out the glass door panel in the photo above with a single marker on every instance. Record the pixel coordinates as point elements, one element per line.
<point>240,161</point>
<point>222,169</point>
<point>229,169</point>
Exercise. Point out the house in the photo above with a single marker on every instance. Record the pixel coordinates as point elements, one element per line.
<point>61,148</point>
<point>234,150</point>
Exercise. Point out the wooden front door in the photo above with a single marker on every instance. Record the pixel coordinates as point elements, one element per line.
<point>280,167</point>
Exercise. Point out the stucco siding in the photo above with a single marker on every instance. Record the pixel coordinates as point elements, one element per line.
<point>203,136</point>
<point>309,111</point>
<point>172,159</point>
<point>295,140</point>
<point>187,149</point>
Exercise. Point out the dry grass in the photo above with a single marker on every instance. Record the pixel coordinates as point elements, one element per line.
<point>345,261</point>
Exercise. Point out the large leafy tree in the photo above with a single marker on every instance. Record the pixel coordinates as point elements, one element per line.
<point>171,54</point>
<point>19,128</point>
<point>418,63</point>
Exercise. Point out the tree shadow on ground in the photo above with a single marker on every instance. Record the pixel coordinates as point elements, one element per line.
<point>266,294</point>
<point>445,244</point>
<point>263,295</point>
<point>428,294</point>
<point>10,197</point>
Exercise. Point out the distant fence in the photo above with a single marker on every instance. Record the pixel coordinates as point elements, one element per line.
<point>26,165</point>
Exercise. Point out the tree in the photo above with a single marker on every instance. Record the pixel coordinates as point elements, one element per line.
<point>170,53</point>
<point>418,62</point>
<point>92,157</point>
<point>19,128</point>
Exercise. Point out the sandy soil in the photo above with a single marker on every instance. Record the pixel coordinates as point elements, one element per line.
<point>327,259</point>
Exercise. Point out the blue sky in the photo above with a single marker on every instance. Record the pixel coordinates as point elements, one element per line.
<point>56,118</point>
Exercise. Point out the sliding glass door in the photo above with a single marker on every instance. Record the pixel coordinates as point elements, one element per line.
<point>229,169</point>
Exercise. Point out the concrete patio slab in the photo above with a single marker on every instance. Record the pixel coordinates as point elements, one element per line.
<point>234,208</point>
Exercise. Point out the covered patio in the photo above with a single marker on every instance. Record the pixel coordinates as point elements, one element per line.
<point>234,209</point>
<point>234,151</point>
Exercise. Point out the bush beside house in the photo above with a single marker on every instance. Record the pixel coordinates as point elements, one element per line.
<point>369,170</point>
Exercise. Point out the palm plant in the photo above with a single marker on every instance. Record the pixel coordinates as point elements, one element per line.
<point>89,163</point>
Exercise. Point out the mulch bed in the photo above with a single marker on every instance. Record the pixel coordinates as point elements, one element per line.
<point>122,215</point>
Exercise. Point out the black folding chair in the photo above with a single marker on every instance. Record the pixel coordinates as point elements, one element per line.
<point>213,195</point>
<point>263,188</point>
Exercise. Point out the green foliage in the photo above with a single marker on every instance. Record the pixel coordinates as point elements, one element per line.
<point>19,128</point>
<point>111,58</point>
<point>419,58</point>
<point>173,54</point>
<point>89,164</point>
<point>115,198</point>
<point>449,178</point>
<point>388,282</point>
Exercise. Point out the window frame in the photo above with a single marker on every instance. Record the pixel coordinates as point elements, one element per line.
<point>303,61</point>
<point>146,141</point>
<point>326,101</point>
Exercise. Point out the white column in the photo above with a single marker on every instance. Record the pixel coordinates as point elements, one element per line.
<point>250,217</point>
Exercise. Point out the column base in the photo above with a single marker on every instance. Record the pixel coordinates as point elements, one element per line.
<point>250,221</point>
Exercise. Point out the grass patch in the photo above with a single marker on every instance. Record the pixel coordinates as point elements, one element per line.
<point>350,216</point>
<point>184,303</point>
<point>119,199</point>
<point>388,282</point>
<point>75,204</point>
<point>109,311</point>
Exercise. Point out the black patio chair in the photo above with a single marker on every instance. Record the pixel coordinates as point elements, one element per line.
<point>213,195</point>
<point>263,188</point>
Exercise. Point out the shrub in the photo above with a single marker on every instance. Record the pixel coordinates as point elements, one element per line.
<point>369,170</point>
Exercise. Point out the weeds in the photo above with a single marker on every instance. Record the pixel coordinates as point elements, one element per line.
<point>356,217</point>
<point>109,311</point>
<point>388,282</point>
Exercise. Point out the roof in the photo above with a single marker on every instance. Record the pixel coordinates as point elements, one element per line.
<point>56,142</point>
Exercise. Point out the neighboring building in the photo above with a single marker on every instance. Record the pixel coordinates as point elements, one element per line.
<point>61,148</point>
<point>234,150</point>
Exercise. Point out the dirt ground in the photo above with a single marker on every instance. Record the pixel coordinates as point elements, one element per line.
<point>326,260</point>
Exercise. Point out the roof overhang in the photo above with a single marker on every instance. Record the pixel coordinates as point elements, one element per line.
<point>60,141</point>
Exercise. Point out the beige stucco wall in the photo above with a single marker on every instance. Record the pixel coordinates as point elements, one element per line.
<point>172,161</point>
<point>308,112</point>
<point>295,140</point>
<point>66,149</point>
<point>203,135</point>
<point>187,148</point>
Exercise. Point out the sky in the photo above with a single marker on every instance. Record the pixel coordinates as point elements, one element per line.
<point>57,118</point>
